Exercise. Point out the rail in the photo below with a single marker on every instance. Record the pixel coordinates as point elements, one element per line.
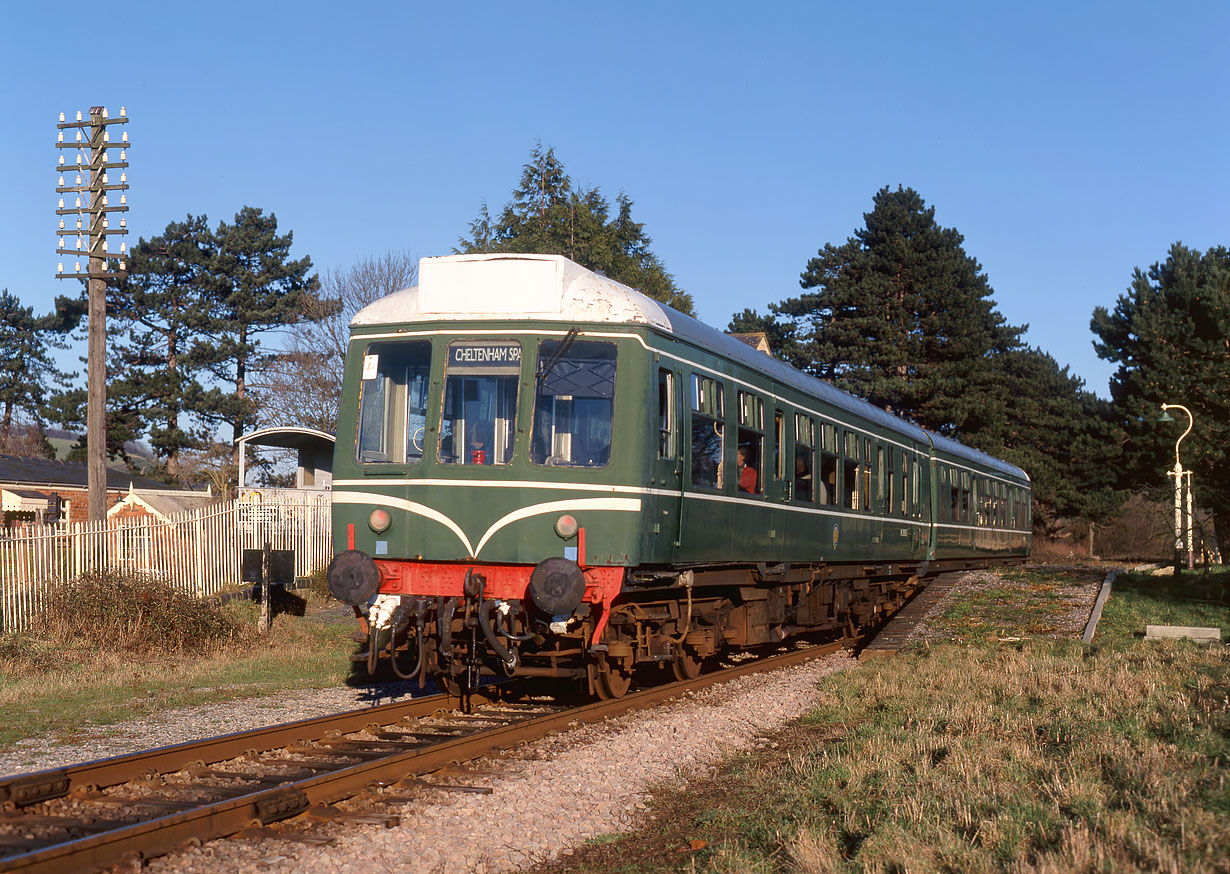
<point>395,755</point>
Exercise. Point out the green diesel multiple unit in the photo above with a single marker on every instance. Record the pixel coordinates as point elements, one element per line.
<point>541,471</point>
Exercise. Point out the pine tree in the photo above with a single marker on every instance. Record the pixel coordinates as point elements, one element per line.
<point>157,314</point>
<point>254,288</point>
<point>904,317</point>
<point>547,215</point>
<point>1170,335</point>
<point>27,373</point>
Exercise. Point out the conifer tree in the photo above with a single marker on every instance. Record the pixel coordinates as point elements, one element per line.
<point>1170,335</point>
<point>902,316</point>
<point>27,373</point>
<point>157,315</point>
<point>547,215</point>
<point>254,288</point>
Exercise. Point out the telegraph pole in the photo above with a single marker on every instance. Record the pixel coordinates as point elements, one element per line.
<point>99,268</point>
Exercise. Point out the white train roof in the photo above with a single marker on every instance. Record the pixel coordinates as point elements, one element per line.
<point>554,288</point>
<point>513,287</point>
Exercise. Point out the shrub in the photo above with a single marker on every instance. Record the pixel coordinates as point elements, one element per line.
<point>135,612</point>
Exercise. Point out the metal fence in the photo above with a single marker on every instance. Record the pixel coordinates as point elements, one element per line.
<point>196,552</point>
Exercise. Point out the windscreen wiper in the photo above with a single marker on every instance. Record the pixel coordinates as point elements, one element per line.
<point>544,369</point>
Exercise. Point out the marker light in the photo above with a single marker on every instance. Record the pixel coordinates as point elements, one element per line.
<point>379,521</point>
<point>566,526</point>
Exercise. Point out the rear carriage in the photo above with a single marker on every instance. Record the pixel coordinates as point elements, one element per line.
<point>540,471</point>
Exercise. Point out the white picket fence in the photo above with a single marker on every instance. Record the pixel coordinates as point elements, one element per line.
<point>197,552</point>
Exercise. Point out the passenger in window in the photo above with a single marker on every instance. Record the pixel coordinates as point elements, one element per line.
<point>747,473</point>
<point>479,450</point>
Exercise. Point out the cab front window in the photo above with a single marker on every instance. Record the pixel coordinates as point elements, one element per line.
<point>393,403</point>
<point>574,403</point>
<point>480,402</point>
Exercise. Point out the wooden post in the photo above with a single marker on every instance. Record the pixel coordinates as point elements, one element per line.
<point>266,574</point>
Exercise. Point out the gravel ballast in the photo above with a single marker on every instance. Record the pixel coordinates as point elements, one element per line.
<point>550,795</point>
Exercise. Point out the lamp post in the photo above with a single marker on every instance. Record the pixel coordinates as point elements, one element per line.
<point>1183,521</point>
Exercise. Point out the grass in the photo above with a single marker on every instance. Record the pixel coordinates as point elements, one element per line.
<point>118,647</point>
<point>972,754</point>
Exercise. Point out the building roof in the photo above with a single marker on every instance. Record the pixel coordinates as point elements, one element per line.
<point>289,437</point>
<point>162,504</point>
<point>45,473</point>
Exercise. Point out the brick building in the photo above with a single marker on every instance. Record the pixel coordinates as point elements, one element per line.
<point>31,490</point>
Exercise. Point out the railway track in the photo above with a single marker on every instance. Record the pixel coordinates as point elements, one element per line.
<point>98,814</point>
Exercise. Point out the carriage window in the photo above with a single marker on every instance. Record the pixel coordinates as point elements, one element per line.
<point>393,403</point>
<point>666,414</point>
<point>480,402</point>
<point>850,471</point>
<point>804,456</point>
<point>888,485</point>
<point>905,488</point>
<point>828,466</point>
<point>574,403</point>
<point>915,507</point>
<point>866,484</point>
<point>708,442</point>
<point>779,444</point>
<point>751,442</point>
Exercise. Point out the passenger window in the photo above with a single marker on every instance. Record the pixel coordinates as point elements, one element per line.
<point>850,471</point>
<point>708,437</point>
<point>393,403</point>
<point>881,506</point>
<point>779,444</point>
<point>574,403</point>
<point>751,443</point>
<point>866,480</point>
<point>480,402</point>
<point>828,466</point>
<point>890,485</point>
<point>666,414</point>
<point>804,456</point>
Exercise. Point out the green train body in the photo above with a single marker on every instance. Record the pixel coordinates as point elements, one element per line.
<point>517,414</point>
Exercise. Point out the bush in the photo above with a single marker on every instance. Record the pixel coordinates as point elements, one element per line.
<point>135,612</point>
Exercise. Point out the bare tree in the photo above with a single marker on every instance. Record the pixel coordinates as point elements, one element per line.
<point>302,385</point>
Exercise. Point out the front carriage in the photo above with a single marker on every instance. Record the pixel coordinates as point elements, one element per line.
<point>542,472</point>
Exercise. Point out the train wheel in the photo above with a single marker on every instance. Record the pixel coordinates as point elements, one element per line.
<point>687,664</point>
<point>612,681</point>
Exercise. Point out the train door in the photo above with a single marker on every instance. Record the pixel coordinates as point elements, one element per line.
<point>778,484</point>
<point>668,466</point>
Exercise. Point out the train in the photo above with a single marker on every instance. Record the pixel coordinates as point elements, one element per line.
<point>541,472</point>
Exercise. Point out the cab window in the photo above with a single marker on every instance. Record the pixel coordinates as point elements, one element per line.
<point>478,423</point>
<point>574,403</point>
<point>393,403</point>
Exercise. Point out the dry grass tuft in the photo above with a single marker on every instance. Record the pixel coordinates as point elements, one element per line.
<point>137,614</point>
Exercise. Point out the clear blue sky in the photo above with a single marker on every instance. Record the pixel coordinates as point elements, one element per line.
<point>1068,142</point>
